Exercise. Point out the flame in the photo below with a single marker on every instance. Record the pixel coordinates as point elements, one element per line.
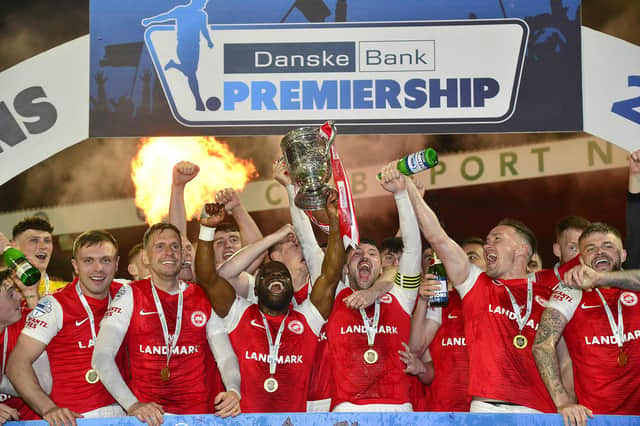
<point>152,170</point>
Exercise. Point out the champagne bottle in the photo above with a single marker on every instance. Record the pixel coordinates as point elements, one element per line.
<point>441,298</point>
<point>417,162</point>
<point>14,259</point>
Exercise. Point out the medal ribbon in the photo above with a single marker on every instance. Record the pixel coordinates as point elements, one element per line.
<point>555,270</point>
<point>87,308</point>
<point>274,347</point>
<point>616,329</point>
<point>4,348</point>
<point>371,325</point>
<point>521,320</point>
<point>168,341</point>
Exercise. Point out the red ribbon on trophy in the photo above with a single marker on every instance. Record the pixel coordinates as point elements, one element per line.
<point>347,214</point>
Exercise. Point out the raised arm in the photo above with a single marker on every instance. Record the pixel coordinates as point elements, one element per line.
<point>249,231</point>
<point>233,269</point>
<point>218,290</point>
<point>324,288</point>
<point>162,17</point>
<point>313,254</point>
<point>453,257</point>
<point>408,271</point>
<point>183,173</point>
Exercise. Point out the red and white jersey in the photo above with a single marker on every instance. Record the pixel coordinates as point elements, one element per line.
<point>448,391</point>
<point>61,322</point>
<point>295,357</point>
<point>355,381</point>
<point>498,370</point>
<point>600,383</point>
<point>187,391</point>
<point>12,332</point>
<point>321,386</point>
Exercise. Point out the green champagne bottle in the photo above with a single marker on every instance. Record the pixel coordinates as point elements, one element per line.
<point>441,298</point>
<point>417,162</point>
<point>14,259</point>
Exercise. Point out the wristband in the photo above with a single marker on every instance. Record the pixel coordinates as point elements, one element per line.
<point>206,233</point>
<point>401,195</point>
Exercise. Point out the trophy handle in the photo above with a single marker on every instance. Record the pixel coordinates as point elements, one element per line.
<point>328,129</point>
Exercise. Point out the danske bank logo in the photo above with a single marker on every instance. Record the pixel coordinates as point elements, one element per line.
<point>436,72</point>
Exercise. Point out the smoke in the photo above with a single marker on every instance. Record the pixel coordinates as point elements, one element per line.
<point>31,27</point>
<point>96,169</point>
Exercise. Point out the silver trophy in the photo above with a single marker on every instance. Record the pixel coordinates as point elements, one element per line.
<point>306,152</point>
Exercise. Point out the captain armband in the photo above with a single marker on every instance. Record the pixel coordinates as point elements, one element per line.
<point>407,281</point>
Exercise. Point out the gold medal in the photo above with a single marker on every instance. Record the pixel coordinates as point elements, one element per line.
<point>165,374</point>
<point>92,376</point>
<point>271,385</point>
<point>622,359</point>
<point>520,341</point>
<point>370,356</point>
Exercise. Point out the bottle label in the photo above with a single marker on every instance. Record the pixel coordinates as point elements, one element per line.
<point>442,296</point>
<point>416,162</point>
<point>22,268</point>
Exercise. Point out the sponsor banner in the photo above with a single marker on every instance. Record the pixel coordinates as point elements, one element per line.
<point>611,88</point>
<point>197,67</point>
<point>469,168</point>
<point>361,419</point>
<point>43,106</point>
<point>385,66</point>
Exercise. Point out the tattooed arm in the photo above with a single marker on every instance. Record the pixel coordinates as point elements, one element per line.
<point>582,276</point>
<point>545,353</point>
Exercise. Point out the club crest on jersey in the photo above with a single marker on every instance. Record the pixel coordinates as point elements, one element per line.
<point>296,327</point>
<point>386,298</point>
<point>198,318</point>
<point>628,299</point>
<point>43,307</point>
<point>541,301</point>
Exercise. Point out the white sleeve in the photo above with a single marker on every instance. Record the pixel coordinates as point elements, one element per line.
<point>113,329</point>
<point>565,300</point>
<point>235,313</point>
<point>120,309</point>
<point>44,321</point>
<point>406,297</point>
<point>464,287</point>
<point>313,254</point>
<point>313,316</point>
<point>435,314</point>
<point>251,288</point>
<point>223,353</point>
<point>411,259</point>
